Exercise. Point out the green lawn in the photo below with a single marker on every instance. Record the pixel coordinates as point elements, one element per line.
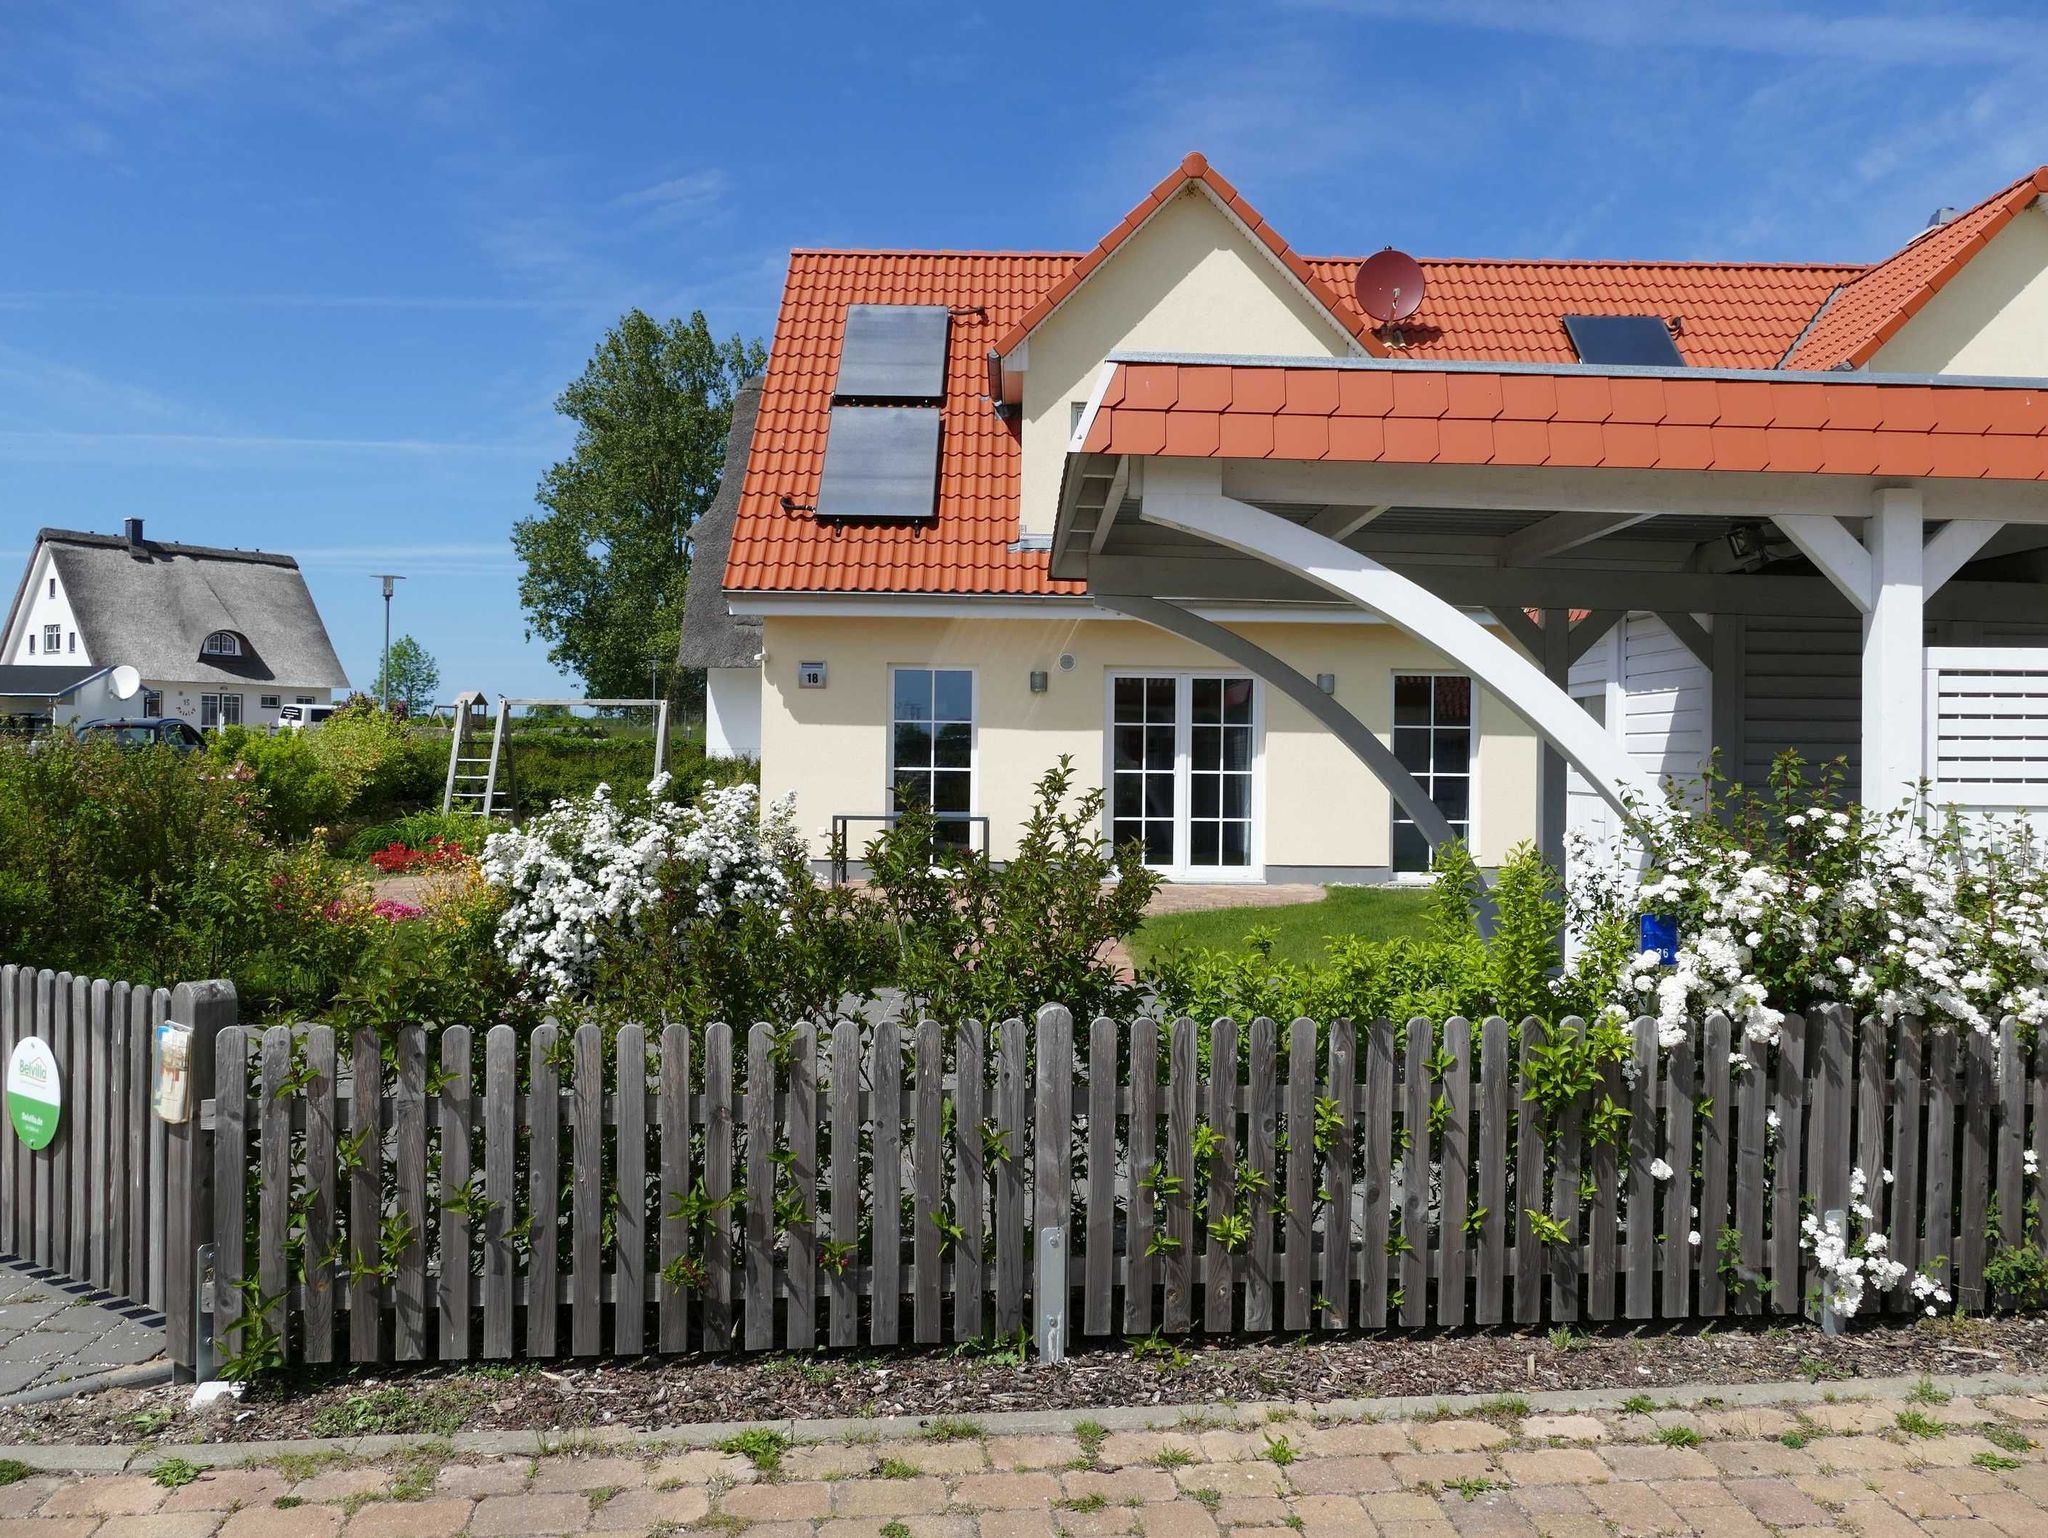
<point>1377,913</point>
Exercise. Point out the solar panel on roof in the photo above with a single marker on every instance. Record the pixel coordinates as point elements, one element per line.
<point>881,463</point>
<point>893,352</point>
<point>1630,341</point>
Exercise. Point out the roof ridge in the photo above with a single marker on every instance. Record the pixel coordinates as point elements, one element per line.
<point>168,547</point>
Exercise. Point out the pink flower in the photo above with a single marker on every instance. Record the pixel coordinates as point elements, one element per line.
<point>390,908</point>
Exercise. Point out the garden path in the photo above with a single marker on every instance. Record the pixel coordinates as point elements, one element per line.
<point>53,1331</point>
<point>1880,1468</point>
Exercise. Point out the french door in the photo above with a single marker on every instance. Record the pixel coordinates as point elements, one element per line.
<point>1183,771</point>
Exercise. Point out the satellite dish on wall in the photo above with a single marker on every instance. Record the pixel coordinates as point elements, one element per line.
<point>126,682</point>
<point>1388,286</point>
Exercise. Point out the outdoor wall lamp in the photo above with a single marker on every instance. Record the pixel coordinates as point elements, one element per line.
<point>1040,679</point>
<point>1327,682</point>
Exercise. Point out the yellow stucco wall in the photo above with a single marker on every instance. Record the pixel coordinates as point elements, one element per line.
<point>1320,807</point>
<point>1991,318</point>
<point>1189,280</point>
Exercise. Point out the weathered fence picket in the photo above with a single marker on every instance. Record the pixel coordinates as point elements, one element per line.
<point>1253,1177</point>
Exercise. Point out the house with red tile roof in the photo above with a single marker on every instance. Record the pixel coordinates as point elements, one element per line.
<point>1307,591</point>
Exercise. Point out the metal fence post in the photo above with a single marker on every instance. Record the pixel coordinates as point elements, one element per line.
<point>206,1008</point>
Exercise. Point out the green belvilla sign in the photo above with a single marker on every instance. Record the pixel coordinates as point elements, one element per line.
<point>35,1094</point>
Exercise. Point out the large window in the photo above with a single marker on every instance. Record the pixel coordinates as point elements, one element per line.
<point>1181,763</point>
<point>1434,730</point>
<point>220,710</point>
<point>931,756</point>
<point>152,702</point>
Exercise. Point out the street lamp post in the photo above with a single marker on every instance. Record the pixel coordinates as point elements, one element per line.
<point>389,580</point>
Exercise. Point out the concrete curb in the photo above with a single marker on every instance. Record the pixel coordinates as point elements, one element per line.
<point>119,1457</point>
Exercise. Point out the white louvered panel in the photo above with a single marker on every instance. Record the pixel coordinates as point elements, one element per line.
<point>1987,725</point>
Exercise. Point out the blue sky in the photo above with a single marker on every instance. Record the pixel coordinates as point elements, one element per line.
<point>308,274</point>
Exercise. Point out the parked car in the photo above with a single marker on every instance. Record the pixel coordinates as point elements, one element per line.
<point>143,732</point>
<point>298,718</point>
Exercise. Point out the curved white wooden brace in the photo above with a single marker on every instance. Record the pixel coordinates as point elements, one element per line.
<point>1184,496</point>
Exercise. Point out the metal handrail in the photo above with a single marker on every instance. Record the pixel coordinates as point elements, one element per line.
<point>841,821</point>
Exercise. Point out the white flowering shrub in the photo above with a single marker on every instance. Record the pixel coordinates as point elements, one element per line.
<point>595,872</point>
<point>1791,900</point>
<point>1854,1260</point>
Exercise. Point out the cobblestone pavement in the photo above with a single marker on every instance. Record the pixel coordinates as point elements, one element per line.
<point>49,1334</point>
<point>1881,1469</point>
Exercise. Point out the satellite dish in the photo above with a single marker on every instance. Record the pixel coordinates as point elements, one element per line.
<point>1388,286</point>
<point>126,682</point>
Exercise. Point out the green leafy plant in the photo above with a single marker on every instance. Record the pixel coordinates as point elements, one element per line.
<point>895,1468</point>
<point>1678,1436</point>
<point>952,1428</point>
<point>174,1473</point>
<point>1996,1462</point>
<point>1280,1450</point>
<point>759,1446</point>
<point>2009,1438</point>
<point>13,1471</point>
<point>1917,1423</point>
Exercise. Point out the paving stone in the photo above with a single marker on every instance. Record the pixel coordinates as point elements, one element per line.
<point>1918,1496</point>
<point>1456,1436</point>
<point>1752,1460</point>
<point>1231,1478</point>
<point>1635,1509</point>
<point>1025,1522</point>
<point>1123,1486</point>
<point>924,1525</point>
<point>1568,1428</point>
<point>2010,1512</point>
<point>1848,1419</point>
<point>48,1527</point>
<point>1778,1502</point>
<point>1341,1476</point>
<point>701,1465</point>
<point>1487,1515</point>
<point>830,1460</point>
<point>1953,1452</point>
<point>223,1489</point>
<point>1751,1422</point>
<point>1570,1527</point>
<point>1175,1519</point>
<point>106,1495</point>
<point>1402,1506</point>
<point>1726,1522</point>
<point>169,1524</point>
<point>24,1496</point>
<point>1440,1468</point>
<point>873,1497</point>
<point>644,1508</point>
<point>1873,1518</point>
<point>340,1484</point>
<point>1122,1448</point>
<point>2021,1407</point>
<point>998,1492</point>
<point>554,1475</point>
<point>290,1522</point>
<point>516,1516</point>
<point>473,1480</point>
<point>1351,1439</point>
<point>1859,1455</point>
<point>1554,1500</point>
<point>802,1502</point>
<point>1104,1522</point>
<point>1031,1452</point>
<point>1650,1461</point>
<point>410,1519</point>
<point>964,1457</point>
<point>1233,1446</point>
<point>1255,1510</point>
<point>1555,1466</point>
<point>1328,1516</point>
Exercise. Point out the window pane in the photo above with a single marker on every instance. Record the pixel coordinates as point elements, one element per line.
<point>1237,701</point>
<point>1159,699</point>
<point>1237,795</point>
<point>1237,843</point>
<point>1237,747</point>
<point>913,745</point>
<point>1594,705</point>
<point>1158,843</point>
<point>1127,798</point>
<point>1411,747</point>
<point>912,790</point>
<point>956,745</point>
<point>953,694</point>
<point>1158,795</point>
<point>1411,849</point>
<point>1411,701</point>
<point>1206,701</point>
<point>1158,747</point>
<point>1453,700</point>
<point>1453,750</point>
<point>1205,747</point>
<point>1128,699</point>
<point>1204,844</point>
<point>949,791</point>
<point>913,694</point>
<point>1205,796</point>
<point>1128,746</point>
<point>1126,830</point>
<point>1453,797</point>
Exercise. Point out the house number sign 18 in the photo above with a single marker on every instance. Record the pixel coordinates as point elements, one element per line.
<point>35,1094</point>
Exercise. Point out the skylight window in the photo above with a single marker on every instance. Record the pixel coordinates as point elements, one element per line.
<point>1625,341</point>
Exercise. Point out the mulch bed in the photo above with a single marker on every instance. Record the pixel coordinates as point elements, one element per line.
<point>654,1393</point>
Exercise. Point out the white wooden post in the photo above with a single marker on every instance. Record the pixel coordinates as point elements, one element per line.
<point>1894,702</point>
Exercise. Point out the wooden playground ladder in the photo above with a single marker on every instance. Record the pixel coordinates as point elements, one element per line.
<point>489,793</point>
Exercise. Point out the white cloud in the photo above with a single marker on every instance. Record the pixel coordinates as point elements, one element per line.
<point>678,197</point>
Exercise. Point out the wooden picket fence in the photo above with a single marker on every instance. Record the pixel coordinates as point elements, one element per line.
<point>632,1192</point>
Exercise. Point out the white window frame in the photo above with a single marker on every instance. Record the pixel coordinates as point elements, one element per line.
<point>269,701</point>
<point>221,643</point>
<point>973,735</point>
<point>1472,828</point>
<point>152,702</point>
<point>53,640</point>
<point>219,702</point>
<point>1253,874</point>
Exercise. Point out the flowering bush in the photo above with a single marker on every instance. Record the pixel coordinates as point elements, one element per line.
<point>589,874</point>
<point>397,859</point>
<point>1792,899</point>
<point>1853,1258</point>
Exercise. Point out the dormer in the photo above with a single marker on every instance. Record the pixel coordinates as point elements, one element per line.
<point>1193,268</point>
<point>224,646</point>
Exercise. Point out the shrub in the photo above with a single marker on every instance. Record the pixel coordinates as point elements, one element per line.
<point>420,830</point>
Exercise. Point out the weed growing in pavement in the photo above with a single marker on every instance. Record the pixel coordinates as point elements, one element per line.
<point>1639,1404</point>
<point>287,1502</point>
<point>2008,1438</point>
<point>1295,1520</point>
<point>1201,1420</point>
<point>604,1493</point>
<point>1095,1500</point>
<point>414,1476</point>
<point>759,1446</point>
<point>1924,1392</point>
<point>1796,1438</point>
<point>1472,1486</point>
<point>1091,1435</point>
<point>174,1473</point>
<point>1998,1463</point>
<point>1503,1407</point>
<point>298,1467</point>
<point>895,1468</point>
<point>1206,1498</point>
<point>1279,1450</point>
<point>953,1428</point>
<point>1679,1436</point>
<point>1172,1458</point>
<point>895,1530</point>
<point>1916,1424</point>
<point>13,1471</point>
